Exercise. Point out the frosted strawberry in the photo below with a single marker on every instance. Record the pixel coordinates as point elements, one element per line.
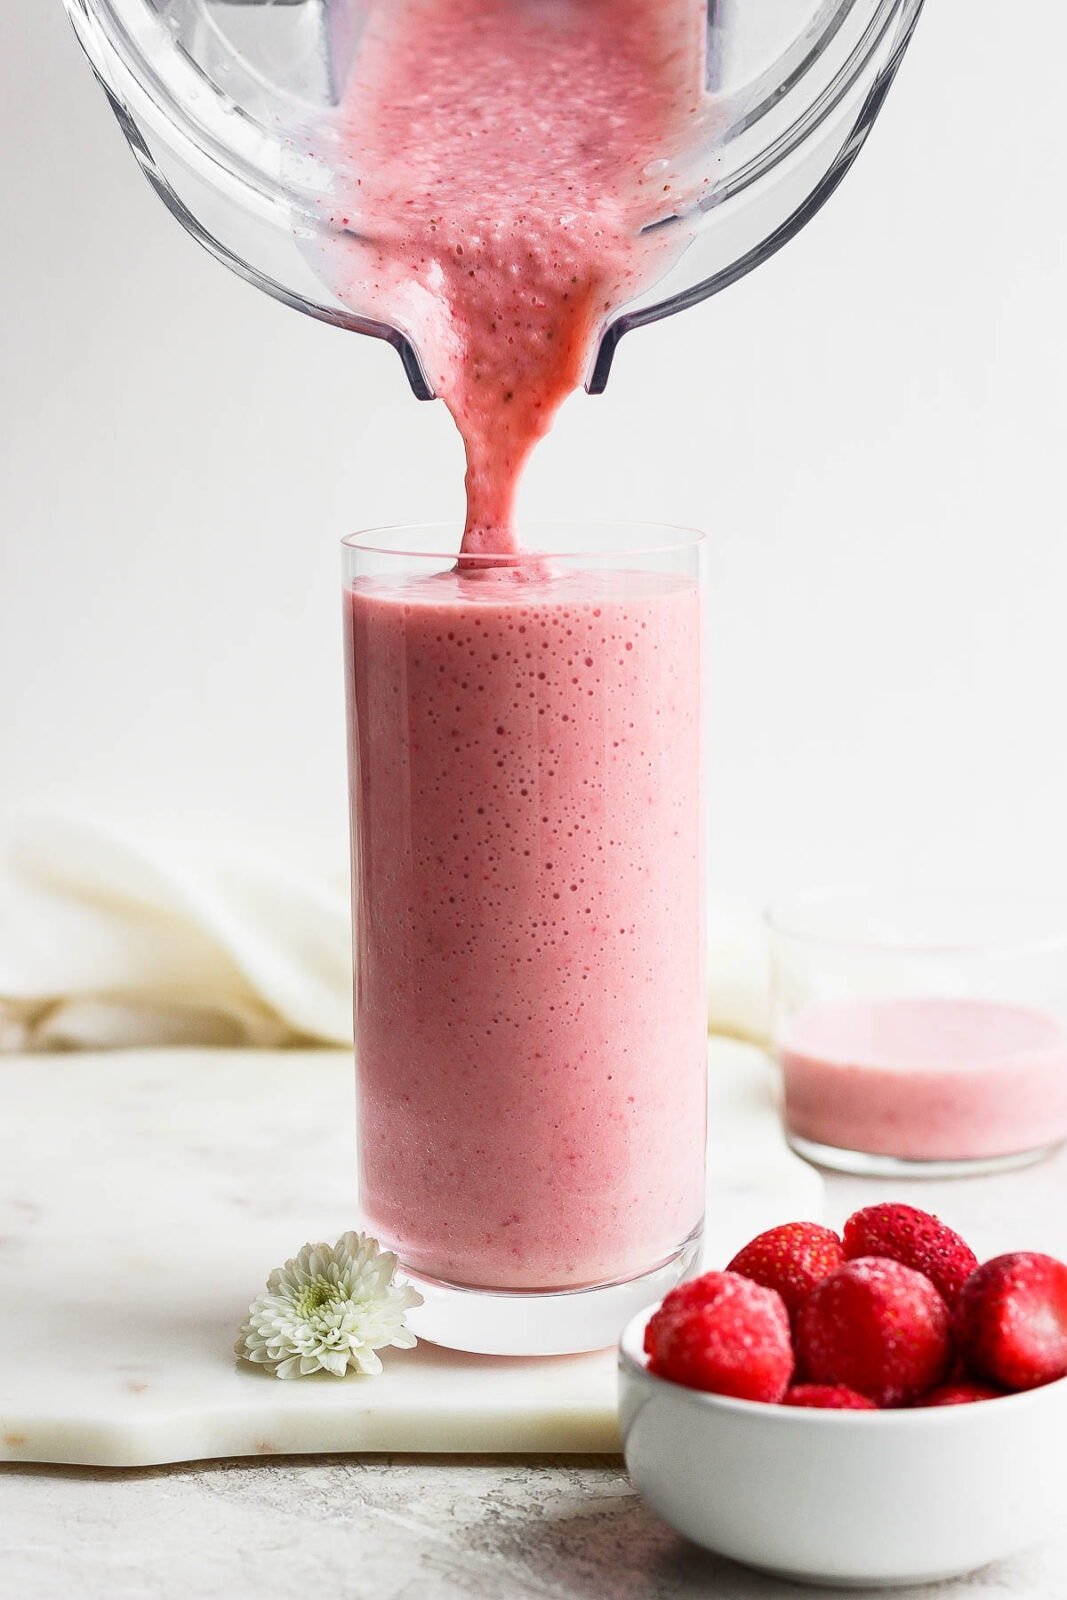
<point>1011,1320</point>
<point>827,1397</point>
<point>686,1296</point>
<point>724,1334</point>
<point>878,1327</point>
<point>791,1259</point>
<point>915,1239</point>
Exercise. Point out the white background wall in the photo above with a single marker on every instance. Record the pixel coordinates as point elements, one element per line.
<point>876,420</point>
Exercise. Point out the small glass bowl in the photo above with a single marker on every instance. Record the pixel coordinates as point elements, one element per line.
<point>921,1034</point>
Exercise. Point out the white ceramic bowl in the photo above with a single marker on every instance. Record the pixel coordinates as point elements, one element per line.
<point>845,1497</point>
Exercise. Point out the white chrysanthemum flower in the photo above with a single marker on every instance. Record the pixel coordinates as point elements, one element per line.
<point>328,1310</point>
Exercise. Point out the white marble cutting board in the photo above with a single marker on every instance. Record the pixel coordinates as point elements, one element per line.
<point>144,1197</point>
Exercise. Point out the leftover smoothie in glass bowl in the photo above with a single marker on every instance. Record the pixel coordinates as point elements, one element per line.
<point>921,1033</point>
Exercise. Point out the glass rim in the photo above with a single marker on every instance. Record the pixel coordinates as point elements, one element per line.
<point>782,918</point>
<point>679,540</point>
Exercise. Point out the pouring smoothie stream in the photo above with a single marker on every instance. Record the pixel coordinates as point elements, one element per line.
<point>525,755</point>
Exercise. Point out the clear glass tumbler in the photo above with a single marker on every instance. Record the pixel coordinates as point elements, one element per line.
<point>921,1034</point>
<point>526,777</point>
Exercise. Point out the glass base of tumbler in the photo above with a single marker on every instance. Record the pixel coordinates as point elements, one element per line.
<point>565,1322</point>
<point>866,1164</point>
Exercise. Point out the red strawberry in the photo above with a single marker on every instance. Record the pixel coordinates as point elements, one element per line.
<point>827,1397</point>
<point>735,1342</point>
<point>959,1394</point>
<point>916,1240</point>
<point>791,1259</point>
<point>878,1327</point>
<point>685,1297</point>
<point>1011,1320</point>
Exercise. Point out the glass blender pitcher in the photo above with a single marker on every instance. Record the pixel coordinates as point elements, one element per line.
<point>213,96</point>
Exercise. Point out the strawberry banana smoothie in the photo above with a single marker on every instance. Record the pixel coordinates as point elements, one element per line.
<point>524,731</point>
<point>529,984</point>
<point>926,1079</point>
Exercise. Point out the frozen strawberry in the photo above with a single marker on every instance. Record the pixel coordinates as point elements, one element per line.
<point>876,1326</point>
<point>686,1297</point>
<point>733,1342</point>
<point>915,1239</point>
<point>827,1397</point>
<point>1011,1320</point>
<point>791,1259</point>
<point>959,1394</point>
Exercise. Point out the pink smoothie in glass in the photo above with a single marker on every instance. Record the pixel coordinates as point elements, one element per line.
<point>527,884</point>
<point>926,1079</point>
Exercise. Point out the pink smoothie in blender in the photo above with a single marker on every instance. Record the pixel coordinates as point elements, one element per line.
<point>506,162</point>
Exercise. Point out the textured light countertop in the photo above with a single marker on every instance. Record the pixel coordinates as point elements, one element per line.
<point>411,1528</point>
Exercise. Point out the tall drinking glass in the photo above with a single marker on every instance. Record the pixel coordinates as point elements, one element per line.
<point>525,749</point>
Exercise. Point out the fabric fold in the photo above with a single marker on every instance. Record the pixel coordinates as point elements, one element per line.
<point>111,939</point>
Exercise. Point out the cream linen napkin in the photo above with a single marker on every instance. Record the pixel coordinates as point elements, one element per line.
<point>109,940</point>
